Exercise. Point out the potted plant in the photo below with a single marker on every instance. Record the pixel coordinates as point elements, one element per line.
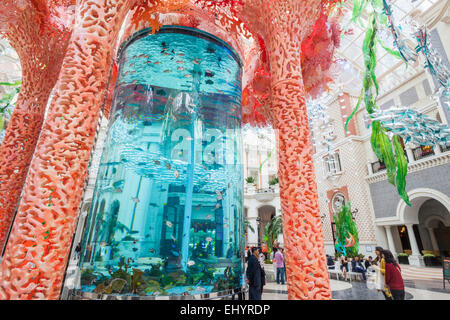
<point>250,180</point>
<point>403,258</point>
<point>429,259</point>
<point>273,181</point>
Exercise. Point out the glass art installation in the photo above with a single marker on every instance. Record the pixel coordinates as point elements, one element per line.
<point>347,242</point>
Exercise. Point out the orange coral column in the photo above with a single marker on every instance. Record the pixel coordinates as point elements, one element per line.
<point>36,255</point>
<point>284,25</point>
<point>41,51</point>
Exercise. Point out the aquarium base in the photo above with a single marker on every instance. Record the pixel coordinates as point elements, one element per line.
<point>233,294</point>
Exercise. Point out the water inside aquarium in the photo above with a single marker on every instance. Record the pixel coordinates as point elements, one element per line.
<point>166,216</point>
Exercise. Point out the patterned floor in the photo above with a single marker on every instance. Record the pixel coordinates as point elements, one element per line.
<point>421,283</point>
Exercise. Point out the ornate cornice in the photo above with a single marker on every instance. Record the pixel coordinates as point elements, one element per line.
<point>415,166</point>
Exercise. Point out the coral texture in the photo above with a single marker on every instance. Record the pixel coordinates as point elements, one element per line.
<point>41,46</point>
<point>284,27</point>
<point>36,255</point>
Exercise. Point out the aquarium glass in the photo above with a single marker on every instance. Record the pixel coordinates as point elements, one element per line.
<point>166,214</point>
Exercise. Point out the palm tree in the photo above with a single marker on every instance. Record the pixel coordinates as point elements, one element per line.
<point>248,225</point>
<point>272,230</point>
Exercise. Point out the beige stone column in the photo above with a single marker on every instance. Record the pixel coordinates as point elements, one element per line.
<point>416,258</point>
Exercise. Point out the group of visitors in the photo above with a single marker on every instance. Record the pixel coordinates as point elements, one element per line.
<point>388,280</point>
<point>256,275</point>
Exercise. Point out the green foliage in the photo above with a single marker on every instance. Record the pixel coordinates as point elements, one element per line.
<point>248,225</point>
<point>273,181</point>
<point>265,160</point>
<point>6,104</point>
<point>402,169</point>
<point>345,226</point>
<point>401,254</point>
<point>271,231</point>
<point>250,180</point>
<point>353,255</point>
<point>382,146</point>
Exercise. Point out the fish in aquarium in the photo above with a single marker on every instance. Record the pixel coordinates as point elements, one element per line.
<point>135,200</point>
<point>190,262</point>
<point>103,244</point>
<point>153,204</point>
<point>152,250</point>
<point>209,216</point>
<point>176,174</point>
<point>198,207</point>
<point>217,206</point>
<point>168,166</point>
<point>169,224</point>
<point>208,239</point>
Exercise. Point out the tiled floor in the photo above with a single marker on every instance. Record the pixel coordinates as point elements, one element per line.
<point>420,283</point>
<point>357,290</point>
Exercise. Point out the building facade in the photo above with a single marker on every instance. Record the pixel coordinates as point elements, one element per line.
<point>261,197</point>
<point>350,171</point>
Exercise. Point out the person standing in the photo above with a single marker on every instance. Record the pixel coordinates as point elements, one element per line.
<point>263,271</point>
<point>77,251</point>
<point>279,259</point>
<point>248,255</point>
<point>393,276</point>
<point>382,270</point>
<point>274,263</point>
<point>253,274</point>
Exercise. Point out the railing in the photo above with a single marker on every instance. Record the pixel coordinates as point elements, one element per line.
<point>414,166</point>
<point>266,190</point>
<point>444,149</point>
<point>254,190</point>
<point>422,152</point>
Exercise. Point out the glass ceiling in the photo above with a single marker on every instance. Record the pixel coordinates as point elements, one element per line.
<point>390,71</point>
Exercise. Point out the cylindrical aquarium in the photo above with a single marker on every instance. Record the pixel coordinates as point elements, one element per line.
<point>167,212</point>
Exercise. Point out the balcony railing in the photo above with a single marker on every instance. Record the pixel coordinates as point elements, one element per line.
<point>444,149</point>
<point>249,189</point>
<point>266,190</point>
<point>422,152</point>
